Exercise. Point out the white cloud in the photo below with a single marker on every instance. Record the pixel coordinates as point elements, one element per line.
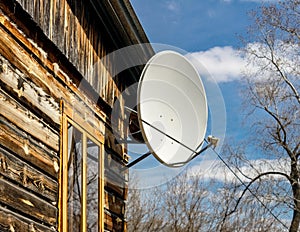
<point>260,1</point>
<point>223,63</point>
<point>226,64</point>
<point>218,171</point>
<point>257,1</point>
<point>173,6</point>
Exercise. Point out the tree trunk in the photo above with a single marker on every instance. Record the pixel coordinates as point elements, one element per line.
<point>296,194</point>
<point>296,214</point>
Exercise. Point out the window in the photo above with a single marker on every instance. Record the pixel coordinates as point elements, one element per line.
<point>81,180</point>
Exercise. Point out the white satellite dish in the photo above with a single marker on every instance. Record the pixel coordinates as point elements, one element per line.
<point>172,108</point>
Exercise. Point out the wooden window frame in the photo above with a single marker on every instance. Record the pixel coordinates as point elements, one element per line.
<point>88,132</point>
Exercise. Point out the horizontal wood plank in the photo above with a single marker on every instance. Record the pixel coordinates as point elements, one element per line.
<point>27,121</point>
<point>114,204</point>
<point>114,164</point>
<point>44,86</point>
<point>53,66</point>
<point>27,203</point>
<point>113,182</point>
<point>111,141</point>
<point>28,92</point>
<point>15,169</point>
<point>113,222</point>
<point>17,142</point>
<point>11,221</point>
<point>47,83</point>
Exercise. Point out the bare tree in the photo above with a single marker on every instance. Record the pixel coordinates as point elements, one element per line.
<point>187,203</point>
<point>273,81</point>
<point>255,200</point>
<point>144,211</point>
<point>135,209</point>
<point>183,204</point>
<point>192,202</point>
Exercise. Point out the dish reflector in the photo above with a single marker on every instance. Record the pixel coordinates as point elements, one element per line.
<point>172,99</point>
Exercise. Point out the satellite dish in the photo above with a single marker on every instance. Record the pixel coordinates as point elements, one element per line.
<point>172,108</point>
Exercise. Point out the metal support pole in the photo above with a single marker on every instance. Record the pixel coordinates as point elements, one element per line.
<point>138,160</point>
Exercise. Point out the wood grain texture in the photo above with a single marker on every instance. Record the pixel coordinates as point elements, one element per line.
<point>44,84</point>
<point>33,69</point>
<point>27,121</point>
<point>22,88</point>
<point>114,204</point>
<point>34,153</point>
<point>21,200</point>
<point>112,222</point>
<point>33,82</point>
<point>114,183</point>
<point>11,221</point>
<point>69,27</point>
<point>19,171</point>
<point>44,81</point>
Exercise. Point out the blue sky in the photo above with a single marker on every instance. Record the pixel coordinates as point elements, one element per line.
<point>209,30</point>
<point>205,28</point>
<point>194,25</point>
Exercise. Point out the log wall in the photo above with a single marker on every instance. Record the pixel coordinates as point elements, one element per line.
<point>52,51</point>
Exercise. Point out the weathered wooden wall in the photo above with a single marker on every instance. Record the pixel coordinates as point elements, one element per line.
<point>75,35</point>
<point>52,50</point>
<point>29,163</point>
<point>84,39</point>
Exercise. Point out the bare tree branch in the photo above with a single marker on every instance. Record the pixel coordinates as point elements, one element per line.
<point>247,189</point>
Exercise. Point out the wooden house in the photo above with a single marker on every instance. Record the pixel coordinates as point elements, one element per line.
<point>61,166</point>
